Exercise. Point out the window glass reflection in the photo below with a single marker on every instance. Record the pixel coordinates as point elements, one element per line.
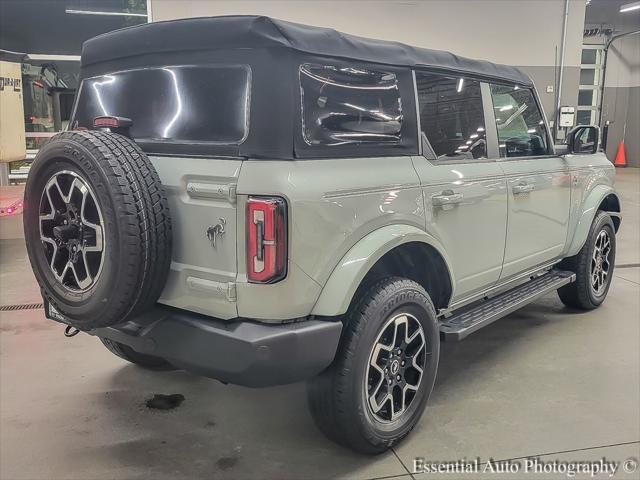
<point>342,105</point>
<point>451,116</point>
<point>174,103</point>
<point>521,129</point>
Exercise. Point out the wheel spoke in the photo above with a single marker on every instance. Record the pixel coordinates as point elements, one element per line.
<point>52,214</point>
<point>82,282</point>
<point>59,189</point>
<point>379,406</point>
<point>396,323</point>
<point>51,242</point>
<point>60,277</point>
<point>376,389</point>
<point>407,388</point>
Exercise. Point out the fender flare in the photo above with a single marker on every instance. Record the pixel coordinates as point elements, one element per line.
<point>589,210</point>
<point>356,263</point>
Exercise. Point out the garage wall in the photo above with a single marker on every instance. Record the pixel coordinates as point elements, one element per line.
<point>621,100</point>
<point>525,33</point>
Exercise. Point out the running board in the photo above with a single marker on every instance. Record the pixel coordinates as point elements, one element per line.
<point>472,318</point>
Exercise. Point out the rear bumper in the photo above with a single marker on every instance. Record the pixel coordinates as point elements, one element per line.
<point>240,352</point>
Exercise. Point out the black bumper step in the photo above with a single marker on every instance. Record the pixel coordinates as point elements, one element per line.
<point>240,352</point>
<point>476,316</point>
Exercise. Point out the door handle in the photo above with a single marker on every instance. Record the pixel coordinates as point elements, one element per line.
<point>523,188</point>
<point>448,197</point>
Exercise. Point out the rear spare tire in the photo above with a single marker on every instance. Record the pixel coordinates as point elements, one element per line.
<point>97,228</point>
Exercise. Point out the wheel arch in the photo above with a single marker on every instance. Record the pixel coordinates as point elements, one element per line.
<point>602,198</point>
<point>611,204</point>
<point>393,250</point>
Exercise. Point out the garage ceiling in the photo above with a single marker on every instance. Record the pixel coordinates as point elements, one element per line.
<point>607,12</point>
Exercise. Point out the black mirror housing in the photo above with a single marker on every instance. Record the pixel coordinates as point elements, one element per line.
<point>583,139</point>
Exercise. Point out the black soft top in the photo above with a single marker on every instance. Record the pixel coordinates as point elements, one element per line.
<point>259,32</point>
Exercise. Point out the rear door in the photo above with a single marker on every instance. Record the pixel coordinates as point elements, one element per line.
<point>539,183</point>
<point>464,191</point>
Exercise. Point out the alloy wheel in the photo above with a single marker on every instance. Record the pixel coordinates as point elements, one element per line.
<point>395,367</point>
<point>600,263</point>
<point>71,231</point>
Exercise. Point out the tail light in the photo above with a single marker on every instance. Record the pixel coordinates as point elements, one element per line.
<point>119,125</point>
<point>111,122</point>
<point>266,239</point>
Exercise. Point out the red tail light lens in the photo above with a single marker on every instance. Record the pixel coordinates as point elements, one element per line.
<point>108,122</point>
<point>266,239</point>
<point>112,122</point>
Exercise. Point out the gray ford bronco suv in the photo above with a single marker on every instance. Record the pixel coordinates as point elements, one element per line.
<point>262,202</point>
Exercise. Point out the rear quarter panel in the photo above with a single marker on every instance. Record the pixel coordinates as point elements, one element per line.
<point>332,204</point>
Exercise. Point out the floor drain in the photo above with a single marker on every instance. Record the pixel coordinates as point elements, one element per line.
<point>23,306</point>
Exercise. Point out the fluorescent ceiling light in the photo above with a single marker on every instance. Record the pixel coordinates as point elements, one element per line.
<point>118,14</point>
<point>460,84</point>
<point>53,58</point>
<point>629,7</point>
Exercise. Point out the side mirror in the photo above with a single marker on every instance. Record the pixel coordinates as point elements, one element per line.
<point>583,139</point>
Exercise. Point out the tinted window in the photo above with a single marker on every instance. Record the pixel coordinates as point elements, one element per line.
<point>451,116</point>
<point>184,103</point>
<point>343,105</point>
<point>521,130</point>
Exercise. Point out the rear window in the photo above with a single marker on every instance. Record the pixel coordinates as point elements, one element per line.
<point>344,105</point>
<point>208,104</point>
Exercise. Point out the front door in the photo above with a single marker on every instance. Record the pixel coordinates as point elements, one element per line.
<point>539,183</point>
<point>465,193</point>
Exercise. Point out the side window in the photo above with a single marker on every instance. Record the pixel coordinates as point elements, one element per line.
<point>451,116</point>
<point>521,129</point>
<point>342,105</point>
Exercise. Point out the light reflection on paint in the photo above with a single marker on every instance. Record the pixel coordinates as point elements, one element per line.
<point>167,127</point>
<point>109,79</point>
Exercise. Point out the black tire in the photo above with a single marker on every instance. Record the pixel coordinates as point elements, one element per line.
<point>338,398</point>
<point>581,294</point>
<point>136,227</point>
<point>130,355</point>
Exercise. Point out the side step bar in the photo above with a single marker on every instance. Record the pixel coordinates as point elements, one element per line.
<point>472,318</point>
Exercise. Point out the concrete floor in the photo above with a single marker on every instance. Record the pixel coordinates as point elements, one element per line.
<point>545,381</point>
